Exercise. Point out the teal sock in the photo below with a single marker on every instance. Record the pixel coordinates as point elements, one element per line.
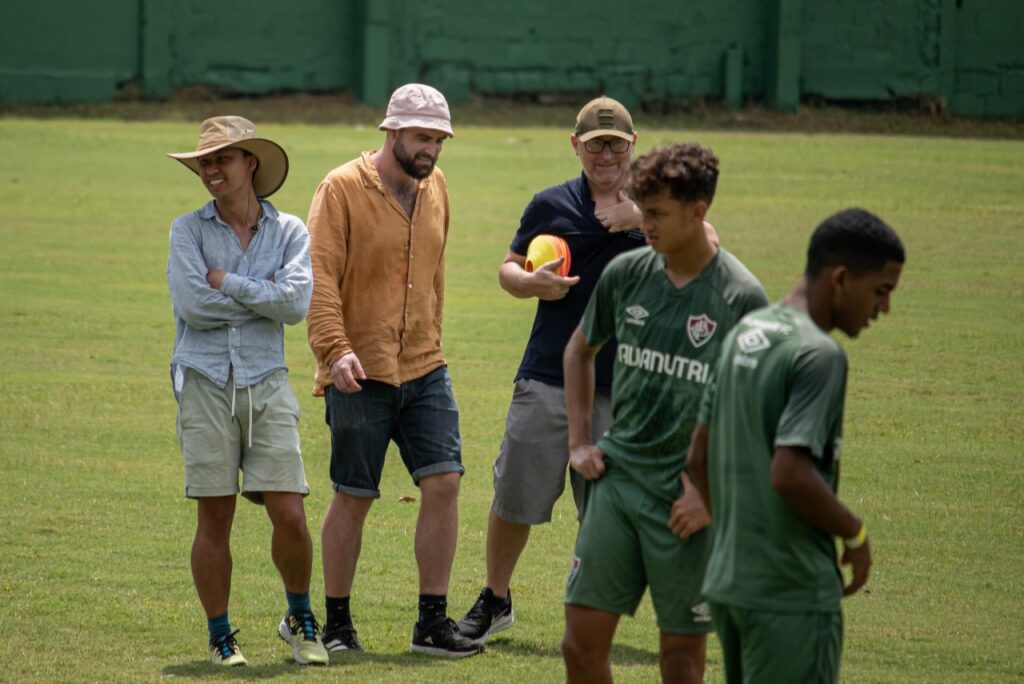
<point>219,626</point>
<point>298,603</point>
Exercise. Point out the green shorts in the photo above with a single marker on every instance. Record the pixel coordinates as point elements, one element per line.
<point>217,443</point>
<point>764,646</point>
<point>625,546</point>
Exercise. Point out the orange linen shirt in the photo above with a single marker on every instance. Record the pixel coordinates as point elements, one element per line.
<point>378,276</point>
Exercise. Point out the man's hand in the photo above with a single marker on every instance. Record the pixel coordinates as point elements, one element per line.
<point>860,560</point>
<point>587,460</point>
<point>620,217</point>
<point>215,277</point>
<point>688,512</point>
<point>346,371</point>
<point>550,286</point>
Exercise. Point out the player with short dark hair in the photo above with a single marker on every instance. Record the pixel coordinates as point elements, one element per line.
<point>766,456</point>
<point>668,306</point>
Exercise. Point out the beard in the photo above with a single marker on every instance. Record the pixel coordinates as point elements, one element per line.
<point>408,162</point>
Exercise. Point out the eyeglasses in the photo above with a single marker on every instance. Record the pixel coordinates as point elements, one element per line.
<point>616,145</point>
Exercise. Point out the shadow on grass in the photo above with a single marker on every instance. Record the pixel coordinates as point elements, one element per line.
<point>620,655</point>
<point>200,669</point>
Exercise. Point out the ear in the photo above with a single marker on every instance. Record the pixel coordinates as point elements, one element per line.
<point>575,144</point>
<point>700,210</point>
<point>838,278</point>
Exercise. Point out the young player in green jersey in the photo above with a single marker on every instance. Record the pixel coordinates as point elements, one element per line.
<point>765,456</point>
<point>669,306</point>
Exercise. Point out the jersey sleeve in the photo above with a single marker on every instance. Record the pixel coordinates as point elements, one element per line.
<point>598,322</point>
<point>756,299</point>
<point>815,402</point>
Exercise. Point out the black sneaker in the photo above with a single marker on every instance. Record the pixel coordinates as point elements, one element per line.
<point>487,616</point>
<point>341,639</point>
<point>442,639</point>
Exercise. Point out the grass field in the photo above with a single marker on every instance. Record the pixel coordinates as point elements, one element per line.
<point>95,532</point>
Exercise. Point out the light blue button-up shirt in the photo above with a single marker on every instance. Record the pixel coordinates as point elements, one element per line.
<point>240,327</point>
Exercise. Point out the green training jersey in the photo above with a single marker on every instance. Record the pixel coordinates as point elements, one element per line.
<point>668,338</point>
<point>780,381</point>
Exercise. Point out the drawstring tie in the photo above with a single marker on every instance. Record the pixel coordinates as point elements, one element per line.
<point>248,390</point>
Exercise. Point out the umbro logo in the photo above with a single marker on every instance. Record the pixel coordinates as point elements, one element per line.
<point>701,612</point>
<point>636,315</point>
<point>753,340</point>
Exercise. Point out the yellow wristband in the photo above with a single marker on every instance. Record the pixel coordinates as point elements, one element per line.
<point>858,541</point>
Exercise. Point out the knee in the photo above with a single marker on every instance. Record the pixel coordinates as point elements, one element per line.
<point>443,486</point>
<point>575,652</point>
<point>682,661</point>
<point>292,522</point>
<point>287,514</point>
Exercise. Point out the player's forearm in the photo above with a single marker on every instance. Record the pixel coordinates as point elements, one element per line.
<point>805,492</point>
<point>578,370</point>
<point>697,463</point>
<point>514,279</point>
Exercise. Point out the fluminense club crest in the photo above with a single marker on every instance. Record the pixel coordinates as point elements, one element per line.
<point>700,329</point>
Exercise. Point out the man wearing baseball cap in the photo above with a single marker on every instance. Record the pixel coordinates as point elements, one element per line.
<point>378,227</point>
<point>239,271</point>
<point>597,220</point>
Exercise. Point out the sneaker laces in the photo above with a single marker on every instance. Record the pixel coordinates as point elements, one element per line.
<point>308,624</point>
<point>226,645</point>
<point>480,610</point>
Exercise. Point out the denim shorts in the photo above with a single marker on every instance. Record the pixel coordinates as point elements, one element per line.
<point>420,416</point>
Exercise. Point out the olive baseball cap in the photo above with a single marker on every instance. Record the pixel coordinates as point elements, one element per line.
<point>604,116</point>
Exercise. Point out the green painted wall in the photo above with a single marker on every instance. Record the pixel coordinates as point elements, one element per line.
<point>969,52</point>
<point>58,51</point>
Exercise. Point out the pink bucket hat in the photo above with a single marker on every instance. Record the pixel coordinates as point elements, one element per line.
<point>415,105</point>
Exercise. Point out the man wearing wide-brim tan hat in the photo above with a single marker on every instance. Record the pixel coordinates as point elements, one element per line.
<point>378,228</point>
<point>239,271</point>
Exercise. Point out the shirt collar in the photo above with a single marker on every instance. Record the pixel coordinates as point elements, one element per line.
<point>209,211</point>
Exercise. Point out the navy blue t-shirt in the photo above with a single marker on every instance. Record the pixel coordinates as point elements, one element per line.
<point>567,211</point>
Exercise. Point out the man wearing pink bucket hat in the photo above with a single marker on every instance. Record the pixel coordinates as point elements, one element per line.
<point>238,271</point>
<point>378,227</point>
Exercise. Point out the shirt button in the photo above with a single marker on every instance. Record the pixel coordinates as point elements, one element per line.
<point>410,286</point>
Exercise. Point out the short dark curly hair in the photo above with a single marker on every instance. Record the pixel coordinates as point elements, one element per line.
<point>689,171</point>
<point>854,238</point>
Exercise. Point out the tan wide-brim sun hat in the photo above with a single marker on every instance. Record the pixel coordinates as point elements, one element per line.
<point>220,132</point>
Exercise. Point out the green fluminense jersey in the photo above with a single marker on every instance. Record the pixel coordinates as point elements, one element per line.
<point>780,381</point>
<point>668,339</point>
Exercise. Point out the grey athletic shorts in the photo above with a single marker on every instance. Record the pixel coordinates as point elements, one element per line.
<point>529,474</point>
